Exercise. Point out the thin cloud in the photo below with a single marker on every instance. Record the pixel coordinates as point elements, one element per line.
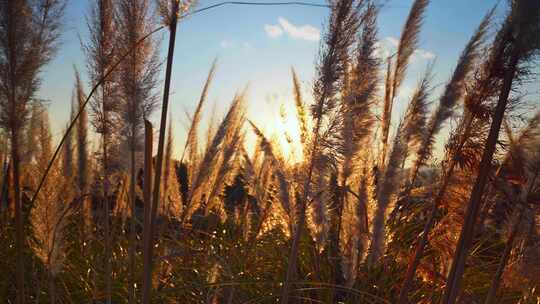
<point>424,54</point>
<point>305,32</point>
<point>226,44</point>
<point>388,46</point>
<point>239,45</point>
<point>273,31</point>
<point>392,41</point>
<point>246,46</point>
<point>381,50</point>
<point>284,26</point>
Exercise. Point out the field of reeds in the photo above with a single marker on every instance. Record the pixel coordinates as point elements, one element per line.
<point>368,215</point>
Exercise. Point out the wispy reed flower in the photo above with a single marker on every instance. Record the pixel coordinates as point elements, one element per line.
<point>408,43</point>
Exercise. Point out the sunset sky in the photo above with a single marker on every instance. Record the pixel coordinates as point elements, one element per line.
<point>257,46</point>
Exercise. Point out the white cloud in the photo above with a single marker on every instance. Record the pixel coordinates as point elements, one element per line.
<point>392,41</point>
<point>424,54</point>
<point>284,26</point>
<point>405,94</point>
<point>246,46</point>
<point>305,32</point>
<point>226,44</point>
<point>388,46</point>
<point>273,31</point>
<point>381,50</point>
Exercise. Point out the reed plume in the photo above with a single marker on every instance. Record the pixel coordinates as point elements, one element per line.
<point>28,42</point>
<point>342,28</point>
<point>239,211</point>
<point>171,191</point>
<point>408,43</point>
<point>301,114</point>
<point>67,160</point>
<point>447,103</point>
<point>100,52</point>
<point>520,35</point>
<point>226,167</point>
<point>354,124</point>
<point>358,100</point>
<point>137,82</point>
<point>407,133</point>
<point>452,94</point>
<point>209,162</point>
<point>321,208</point>
<point>191,146</point>
<point>31,135</point>
<point>53,207</point>
<point>173,10</point>
<point>83,167</point>
<point>515,170</point>
<point>284,180</point>
<point>464,138</point>
<point>362,221</point>
<point>82,138</point>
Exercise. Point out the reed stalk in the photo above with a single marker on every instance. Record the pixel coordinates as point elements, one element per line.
<point>147,196</point>
<point>473,207</point>
<point>147,276</point>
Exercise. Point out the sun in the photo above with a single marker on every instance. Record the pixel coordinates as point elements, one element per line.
<point>280,124</point>
<point>287,130</point>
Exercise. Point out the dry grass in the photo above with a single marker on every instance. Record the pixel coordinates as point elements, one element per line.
<point>227,225</point>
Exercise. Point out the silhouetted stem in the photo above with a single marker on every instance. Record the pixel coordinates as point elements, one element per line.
<point>132,239</point>
<point>293,255</point>
<point>414,260</point>
<point>503,262</point>
<point>147,281</point>
<point>106,211</point>
<point>18,217</point>
<point>147,193</point>
<point>467,231</point>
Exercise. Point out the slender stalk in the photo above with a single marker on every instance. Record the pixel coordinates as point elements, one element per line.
<point>473,207</point>
<point>147,279</point>
<point>147,194</point>
<point>492,293</point>
<point>15,156</point>
<point>132,199</point>
<point>293,255</point>
<point>52,287</point>
<point>100,52</point>
<point>106,213</point>
<point>4,194</point>
<point>334,250</point>
<point>387,111</point>
<point>414,260</point>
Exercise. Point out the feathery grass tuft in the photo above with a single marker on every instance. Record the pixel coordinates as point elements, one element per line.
<point>408,43</point>
<point>406,135</point>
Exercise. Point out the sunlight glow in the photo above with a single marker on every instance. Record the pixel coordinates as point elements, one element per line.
<point>281,126</point>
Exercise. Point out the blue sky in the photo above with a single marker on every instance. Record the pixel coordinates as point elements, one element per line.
<point>258,46</point>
